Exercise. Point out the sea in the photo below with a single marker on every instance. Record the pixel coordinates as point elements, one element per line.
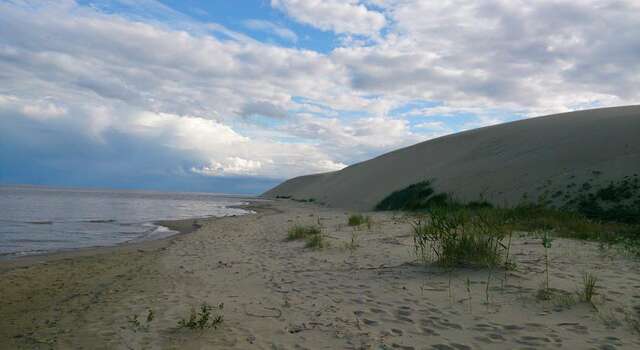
<point>36,220</point>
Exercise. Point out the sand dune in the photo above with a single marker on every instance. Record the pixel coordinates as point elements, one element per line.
<point>500,163</point>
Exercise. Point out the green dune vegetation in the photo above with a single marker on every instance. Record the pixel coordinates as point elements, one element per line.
<point>458,232</point>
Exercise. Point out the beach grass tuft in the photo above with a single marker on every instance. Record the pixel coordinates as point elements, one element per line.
<point>316,241</point>
<point>357,220</point>
<point>589,283</point>
<point>302,232</point>
<point>202,319</point>
<point>461,237</point>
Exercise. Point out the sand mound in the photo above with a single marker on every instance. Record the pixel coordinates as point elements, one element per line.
<point>499,163</point>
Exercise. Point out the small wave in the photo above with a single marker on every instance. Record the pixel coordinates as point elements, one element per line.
<point>40,222</point>
<point>30,240</point>
<point>10,255</point>
<point>156,232</point>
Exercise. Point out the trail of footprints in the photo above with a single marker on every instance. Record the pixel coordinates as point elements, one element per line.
<point>346,306</point>
<point>406,322</point>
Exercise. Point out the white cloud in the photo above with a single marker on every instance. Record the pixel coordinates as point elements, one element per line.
<point>230,166</point>
<point>544,57</point>
<point>431,125</point>
<point>340,16</point>
<point>272,28</point>
<point>193,88</point>
<point>359,139</point>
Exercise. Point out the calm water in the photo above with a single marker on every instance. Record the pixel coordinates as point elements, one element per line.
<point>38,220</point>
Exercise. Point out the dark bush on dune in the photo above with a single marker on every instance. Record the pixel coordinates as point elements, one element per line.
<point>413,197</point>
<point>421,196</point>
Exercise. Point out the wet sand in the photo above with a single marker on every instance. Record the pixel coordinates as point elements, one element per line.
<point>281,295</point>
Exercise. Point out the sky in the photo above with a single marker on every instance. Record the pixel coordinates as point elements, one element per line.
<point>236,96</point>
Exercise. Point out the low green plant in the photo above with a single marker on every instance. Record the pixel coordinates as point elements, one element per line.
<point>589,283</point>
<point>316,241</point>
<point>565,300</point>
<point>357,220</point>
<point>302,232</point>
<point>460,237</point>
<point>203,318</point>
<point>546,240</point>
<point>413,197</point>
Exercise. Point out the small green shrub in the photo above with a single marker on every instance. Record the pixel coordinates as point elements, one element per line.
<point>589,282</point>
<point>461,238</point>
<point>359,219</point>
<point>302,232</point>
<point>356,220</point>
<point>203,318</point>
<point>421,196</point>
<point>412,197</point>
<point>316,241</point>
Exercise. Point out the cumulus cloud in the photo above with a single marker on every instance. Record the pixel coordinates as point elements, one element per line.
<point>543,56</point>
<point>106,74</point>
<point>230,166</point>
<point>185,93</point>
<point>340,16</point>
<point>363,137</point>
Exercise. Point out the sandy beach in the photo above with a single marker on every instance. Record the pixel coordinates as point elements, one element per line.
<point>277,294</point>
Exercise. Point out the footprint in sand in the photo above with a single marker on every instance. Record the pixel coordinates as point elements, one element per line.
<point>369,322</point>
<point>377,311</point>
<point>534,341</point>
<point>574,327</point>
<point>451,346</point>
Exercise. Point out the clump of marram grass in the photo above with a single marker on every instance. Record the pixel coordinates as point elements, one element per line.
<point>358,220</point>
<point>589,283</point>
<point>546,243</point>
<point>203,318</point>
<point>302,232</point>
<point>355,220</point>
<point>311,234</point>
<point>461,237</point>
<point>316,241</point>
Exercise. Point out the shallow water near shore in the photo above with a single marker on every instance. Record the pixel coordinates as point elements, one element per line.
<point>36,220</point>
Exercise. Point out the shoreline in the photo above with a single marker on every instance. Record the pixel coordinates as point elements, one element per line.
<point>179,226</point>
<point>279,294</point>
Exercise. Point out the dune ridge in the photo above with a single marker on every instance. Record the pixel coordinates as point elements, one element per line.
<point>500,164</point>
